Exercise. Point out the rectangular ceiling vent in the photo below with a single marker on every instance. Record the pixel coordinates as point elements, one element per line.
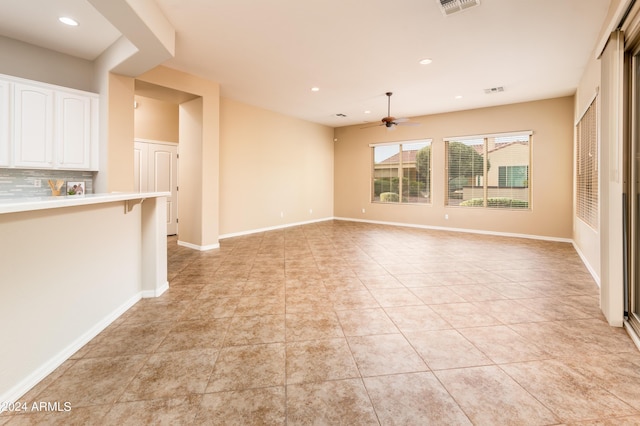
<point>494,90</point>
<point>449,7</point>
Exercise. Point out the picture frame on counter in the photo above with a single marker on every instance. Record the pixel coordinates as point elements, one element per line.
<point>75,188</point>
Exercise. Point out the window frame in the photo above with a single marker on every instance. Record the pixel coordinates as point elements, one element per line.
<point>484,178</point>
<point>401,171</point>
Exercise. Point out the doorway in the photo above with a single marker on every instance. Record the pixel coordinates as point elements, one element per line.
<point>156,137</point>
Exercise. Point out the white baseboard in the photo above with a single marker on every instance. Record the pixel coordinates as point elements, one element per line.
<point>464,230</point>
<point>586,263</point>
<point>155,293</point>
<point>197,247</point>
<point>272,228</point>
<point>408,225</point>
<point>47,368</point>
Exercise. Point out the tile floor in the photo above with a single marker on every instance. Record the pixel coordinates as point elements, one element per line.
<point>357,324</point>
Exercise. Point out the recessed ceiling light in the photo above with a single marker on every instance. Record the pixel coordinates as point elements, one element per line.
<point>68,21</point>
<point>425,61</point>
<point>367,112</point>
<point>459,97</point>
<point>315,89</point>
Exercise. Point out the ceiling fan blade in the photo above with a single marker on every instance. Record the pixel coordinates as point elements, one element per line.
<point>391,122</point>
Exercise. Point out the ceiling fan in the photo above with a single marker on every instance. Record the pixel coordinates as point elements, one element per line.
<point>390,122</point>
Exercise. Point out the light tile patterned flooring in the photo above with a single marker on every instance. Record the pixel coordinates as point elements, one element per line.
<point>350,323</point>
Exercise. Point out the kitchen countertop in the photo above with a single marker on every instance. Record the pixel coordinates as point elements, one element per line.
<point>25,204</point>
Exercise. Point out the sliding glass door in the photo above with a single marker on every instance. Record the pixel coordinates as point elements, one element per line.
<point>633,199</point>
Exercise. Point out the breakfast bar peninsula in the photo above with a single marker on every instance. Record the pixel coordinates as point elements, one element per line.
<point>69,266</point>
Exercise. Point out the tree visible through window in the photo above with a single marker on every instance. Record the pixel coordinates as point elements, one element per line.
<point>402,172</point>
<point>490,171</point>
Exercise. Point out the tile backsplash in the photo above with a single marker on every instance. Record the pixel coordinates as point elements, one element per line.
<point>23,182</point>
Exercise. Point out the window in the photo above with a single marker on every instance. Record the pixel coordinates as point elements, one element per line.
<point>587,167</point>
<point>402,172</point>
<point>513,176</point>
<point>489,171</point>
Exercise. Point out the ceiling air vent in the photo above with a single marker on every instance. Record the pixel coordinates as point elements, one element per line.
<point>494,90</point>
<point>449,7</point>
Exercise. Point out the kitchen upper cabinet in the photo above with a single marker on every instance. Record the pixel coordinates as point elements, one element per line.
<point>5,153</point>
<point>47,127</point>
<point>73,130</point>
<point>32,126</point>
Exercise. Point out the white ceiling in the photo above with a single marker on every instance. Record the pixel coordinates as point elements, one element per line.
<point>270,53</point>
<point>36,22</point>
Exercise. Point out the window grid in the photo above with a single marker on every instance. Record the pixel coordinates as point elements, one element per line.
<point>587,184</point>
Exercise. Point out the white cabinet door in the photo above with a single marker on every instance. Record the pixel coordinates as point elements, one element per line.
<point>5,153</point>
<point>163,176</point>
<point>32,126</point>
<point>156,170</point>
<point>73,131</point>
<point>47,126</point>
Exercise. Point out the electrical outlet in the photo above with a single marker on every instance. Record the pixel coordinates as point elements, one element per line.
<point>362,210</point>
<point>281,214</point>
<point>37,183</point>
<point>310,211</point>
<point>446,217</point>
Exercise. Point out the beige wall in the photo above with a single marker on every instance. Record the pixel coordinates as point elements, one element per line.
<point>117,164</point>
<point>291,158</point>
<point>155,119</point>
<point>270,165</point>
<point>550,182</point>
<point>36,63</point>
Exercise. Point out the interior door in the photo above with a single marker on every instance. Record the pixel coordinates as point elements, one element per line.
<point>156,168</point>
